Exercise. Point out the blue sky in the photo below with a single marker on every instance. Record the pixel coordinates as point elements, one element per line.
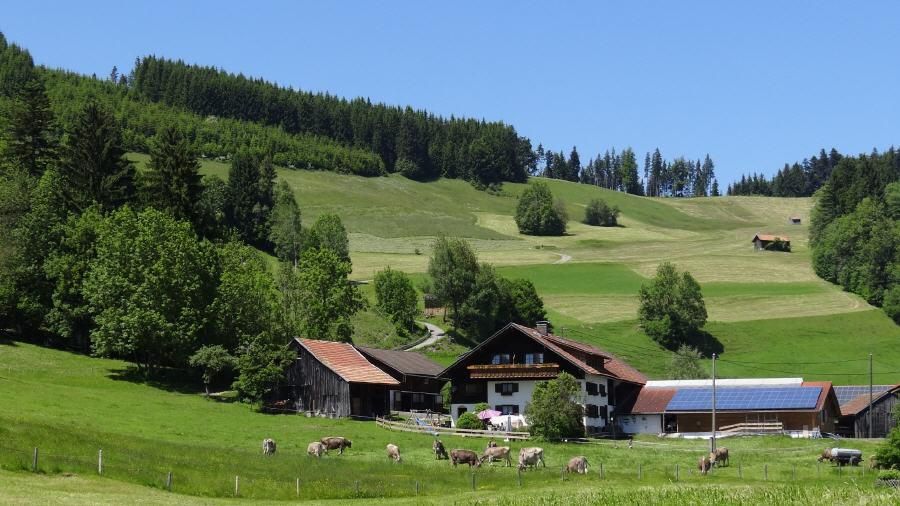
<point>753,84</point>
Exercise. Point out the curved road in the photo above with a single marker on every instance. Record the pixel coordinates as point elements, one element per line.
<point>563,258</point>
<point>436,332</point>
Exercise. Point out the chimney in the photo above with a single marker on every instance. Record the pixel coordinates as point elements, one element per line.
<point>542,327</point>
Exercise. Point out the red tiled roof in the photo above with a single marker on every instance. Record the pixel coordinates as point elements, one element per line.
<point>653,400</point>
<point>861,402</point>
<point>347,362</point>
<point>770,237</point>
<point>612,365</point>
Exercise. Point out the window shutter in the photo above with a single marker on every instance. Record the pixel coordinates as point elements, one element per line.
<point>515,387</point>
<point>602,389</point>
<point>498,387</point>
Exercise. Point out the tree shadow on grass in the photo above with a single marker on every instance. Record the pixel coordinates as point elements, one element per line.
<point>705,343</point>
<point>171,380</point>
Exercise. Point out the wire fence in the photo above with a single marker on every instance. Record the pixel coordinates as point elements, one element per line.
<point>183,474</point>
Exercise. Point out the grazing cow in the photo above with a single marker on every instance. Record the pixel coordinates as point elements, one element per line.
<point>316,449</point>
<point>439,451</point>
<point>721,459</point>
<point>268,446</point>
<point>703,464</point>
<point>497,453</point>
<point>336,443</point>
<point>393,452</point>
<point>458,456</point>
<point>529,457</point>
<point>826,455</point>
<point>577,465</point>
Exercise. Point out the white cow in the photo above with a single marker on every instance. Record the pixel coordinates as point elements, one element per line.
<point>268,446</point>
<point>316,449</point>
<point>529,457</point>
<point>393,452</point>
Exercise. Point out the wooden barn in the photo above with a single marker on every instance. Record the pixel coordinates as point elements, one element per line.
<point>766,242</point>
<point>854,421</point>
<point>419,377</point>
<point>334,379</point>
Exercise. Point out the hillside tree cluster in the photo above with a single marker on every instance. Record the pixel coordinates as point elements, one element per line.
<point>800,179</point>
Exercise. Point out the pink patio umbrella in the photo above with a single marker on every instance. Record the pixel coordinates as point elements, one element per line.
<point>488,414</point>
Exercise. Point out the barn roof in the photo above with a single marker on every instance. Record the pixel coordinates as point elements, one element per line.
<point>570,351</point>
<point>346,362</point>
<point>846,393</point>
<point>653,400</point>
<point>860,403</point>
<point>404,362</point>
<point>770,237</point>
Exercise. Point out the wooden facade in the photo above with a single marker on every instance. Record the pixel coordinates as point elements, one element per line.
<point>855,418</point>
<point>312,387</point>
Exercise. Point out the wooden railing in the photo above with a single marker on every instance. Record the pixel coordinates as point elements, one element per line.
<point>754,427</point>
<point>499,371</point>
<point>425,429</point>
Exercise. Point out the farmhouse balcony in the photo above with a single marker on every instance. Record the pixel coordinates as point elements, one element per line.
<point>513,371</point>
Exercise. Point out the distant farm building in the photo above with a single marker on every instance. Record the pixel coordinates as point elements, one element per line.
<point>765,404</point>
<point>419,377</point>
<point>795,220</point>
<point>854,400</point>
<point>433,306</point>
<point>767,242</point>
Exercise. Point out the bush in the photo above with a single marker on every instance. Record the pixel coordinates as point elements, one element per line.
<point>481,406</point>
<point>396,297</point>
<point>598,213</point>
<point>889,474</point>
<point>469,421</point>
<point>779,244</point>
<point>538,214</point>
<point>553,411</point>
<point>888,454</point>
<point>891,303</point>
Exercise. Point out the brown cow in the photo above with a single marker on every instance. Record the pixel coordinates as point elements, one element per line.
<point>336,443</point>
<point>459,456</point>
<point>703,465</point>
<point>577,465</point>
<point>393,452</point>
<point>721,459</point>
<point>439,451</point>
<point>529,457</point>
<point>497,453</point>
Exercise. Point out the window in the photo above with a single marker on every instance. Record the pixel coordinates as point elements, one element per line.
<point>500,358</point>
<point>591,388</point>
<point>506,388</point>
<point>534,358</point>
<point>602,412</point>
<point>591,411</point>
<point>601,390</point>
<point>473,389</point>
<point>611,388</point>
<point>460,410</point>
<point>508,409</point>
<point>418,398</point>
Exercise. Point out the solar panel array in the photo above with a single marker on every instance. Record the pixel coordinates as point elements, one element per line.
<point>745,398</point>
<point>847,393</point>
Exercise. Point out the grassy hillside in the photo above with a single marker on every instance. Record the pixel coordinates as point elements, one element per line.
<point>70,406</point>
<point>763,306</point>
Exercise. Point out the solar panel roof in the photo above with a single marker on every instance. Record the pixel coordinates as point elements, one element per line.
<point>847,393</point>
<point>745,398</point>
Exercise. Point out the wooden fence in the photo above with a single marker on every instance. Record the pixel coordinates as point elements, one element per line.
<point>425,429</point>
<point>753,428</point>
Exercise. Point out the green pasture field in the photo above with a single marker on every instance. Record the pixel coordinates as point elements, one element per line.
<point>70,406</point>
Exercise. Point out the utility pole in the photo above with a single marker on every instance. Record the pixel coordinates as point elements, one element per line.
<point>712,442</point>
<point>871,389</point>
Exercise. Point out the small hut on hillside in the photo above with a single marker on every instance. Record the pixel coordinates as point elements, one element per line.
<point>794,220</point>
<point>769,242</point>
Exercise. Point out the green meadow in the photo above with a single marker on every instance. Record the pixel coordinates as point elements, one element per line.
<point>71,406</point>
<point>763,306</point>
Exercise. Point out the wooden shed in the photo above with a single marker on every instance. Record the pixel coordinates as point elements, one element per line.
<point>766,242</point>
<point>854,421</point>
<point>420,379</point>
<point>795,220</point>
<point>334,379</point>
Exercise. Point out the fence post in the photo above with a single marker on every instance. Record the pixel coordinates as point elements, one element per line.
<point>34,460</point>
<point>676,472</point>
<point>169,481</point>
<point>100,461</point>
<point>740,472</point>
<point>237,485</point>
<point>519,474</point>
<point>417,488</point>
<point>840,467</point>
<point>819,469</point>
<point>640,470</point>
<point>601,470</point>
<point>298,487</point>
<point>562,473</point>
<point>357,488</point>
<point>766,472</point>
<point>794,472</point>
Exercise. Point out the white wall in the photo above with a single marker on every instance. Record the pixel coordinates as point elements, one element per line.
<point>454,408</point>
<point>641,424</point>
<point>599,400</point>
<point>520,398</point>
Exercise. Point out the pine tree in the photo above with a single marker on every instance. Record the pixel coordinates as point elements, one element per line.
<point>173,178</point>
<point>94,167</point>
<point>243,194</point>
<point>574,165</point>
<point>715,187</point>
<point>30,142</point>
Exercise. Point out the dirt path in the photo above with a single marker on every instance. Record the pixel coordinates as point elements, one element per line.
<point>436,332</point>
<point>563,258</point>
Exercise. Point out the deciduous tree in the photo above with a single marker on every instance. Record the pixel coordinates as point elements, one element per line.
<point>671,307</point>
